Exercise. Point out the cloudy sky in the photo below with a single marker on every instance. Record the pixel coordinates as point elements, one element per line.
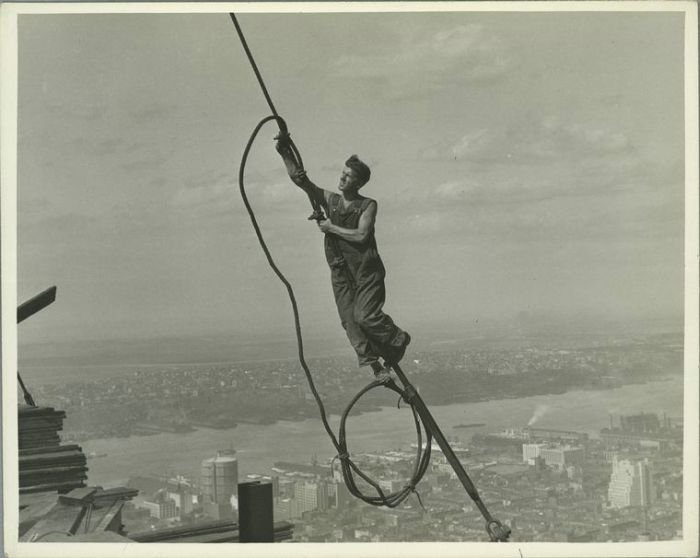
<point>522,162</point>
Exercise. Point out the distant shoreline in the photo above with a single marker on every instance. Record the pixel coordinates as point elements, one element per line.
<point>77,356</point>
<point>357,413</point>
<point>577,410</point>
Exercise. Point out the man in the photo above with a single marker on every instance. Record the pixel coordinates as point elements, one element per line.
<point>357,271</point>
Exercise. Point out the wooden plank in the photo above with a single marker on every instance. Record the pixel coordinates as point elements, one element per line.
<point>78,496</point>
<point>67,461</point>
<point>172,533</point>
<point>39,423</point>
<point>51,456</point>
<point>95,536</point>
<point>38,435</point>
<point>35,511</point>
<point>29,411</point>
<point>112,518</point>
<point>119,492</point>
<point>63,486</point>
<point>45,464</point>
<point>37,444</point>
<point>33,443</point>
<point>46,419</point>
<point>39,441</point>
<point>62,518</point>
<point>222,537</point>
<point>51,472</point>
<point>30,499</point>
<point>211,532</point>
<point>44,426</point>
<point>52,449</point>
<point>30,503</point>
<point>41,479</point>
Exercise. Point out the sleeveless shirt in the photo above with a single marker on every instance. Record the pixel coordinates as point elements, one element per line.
<point>362,259</point>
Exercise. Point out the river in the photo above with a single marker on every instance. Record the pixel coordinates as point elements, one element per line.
<point>259,446</point>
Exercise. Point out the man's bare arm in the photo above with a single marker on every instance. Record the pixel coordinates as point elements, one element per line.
<point>358,235</point>
<point>298,175</point>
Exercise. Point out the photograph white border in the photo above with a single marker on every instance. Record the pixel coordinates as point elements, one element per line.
<point>688,546</point>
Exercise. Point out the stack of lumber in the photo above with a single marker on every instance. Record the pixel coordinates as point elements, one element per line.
<point>39,426</point>
<point>82,511</point>
<point>44,464</point>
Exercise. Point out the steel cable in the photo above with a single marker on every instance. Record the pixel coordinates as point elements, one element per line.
<point>496,531</point>
<point>348,467</point>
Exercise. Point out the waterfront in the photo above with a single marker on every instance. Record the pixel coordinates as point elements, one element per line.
<point>259,446</point>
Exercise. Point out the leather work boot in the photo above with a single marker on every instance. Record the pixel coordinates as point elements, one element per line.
<point>384,375</point>
<point>399,350</point>
<point>381,373</point>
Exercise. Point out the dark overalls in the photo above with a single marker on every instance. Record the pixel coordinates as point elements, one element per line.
<point>357,276</point>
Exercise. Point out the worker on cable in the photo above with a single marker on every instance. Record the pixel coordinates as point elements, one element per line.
<point>357,271</point>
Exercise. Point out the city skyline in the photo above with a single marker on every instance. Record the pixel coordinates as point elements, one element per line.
<point>636,508</point>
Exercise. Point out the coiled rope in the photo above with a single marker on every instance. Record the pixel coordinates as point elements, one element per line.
<point>348,467</point>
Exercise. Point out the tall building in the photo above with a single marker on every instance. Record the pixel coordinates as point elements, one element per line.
<point>183,498</point>
<point>631,484</point>
<point>311,495</point>
<point>342,497</point>
<point>275,480</point>
<point>562,457</point>
<point>220,484</point>
<point>181,490</point>
<point>557,456</point>
<point>161,507</point>
<point>286,509</point>
<point>553,435</point>
<point>531,452</point>
<point>641,423</point>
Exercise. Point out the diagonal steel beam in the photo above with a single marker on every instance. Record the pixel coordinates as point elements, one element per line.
<point>33,305</point>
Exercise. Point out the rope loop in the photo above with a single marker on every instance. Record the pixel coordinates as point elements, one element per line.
<point>497,531</point>
<point>409,394</point>
<point>350,469</point>
<point>420,500</point>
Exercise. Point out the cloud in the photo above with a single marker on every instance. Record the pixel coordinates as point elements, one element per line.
<point>204,193</point>
<point>218,193</point>
<point>548,160</point>
<point>152,111</point>
<point>128,155</point>
<point>279,193</point>
<point>545,140</point>
<point>428,222</point>
<point>99,147</point>
<point>471,49</point>
<point>51,229</point>
<point>555,138</point>
<point>495,189</point>
<point>146,159</point>
<point>608,190</point>
<point>427,64</point>
<point>458,189</point>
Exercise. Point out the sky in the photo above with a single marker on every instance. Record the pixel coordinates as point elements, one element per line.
<point>527,166</point>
